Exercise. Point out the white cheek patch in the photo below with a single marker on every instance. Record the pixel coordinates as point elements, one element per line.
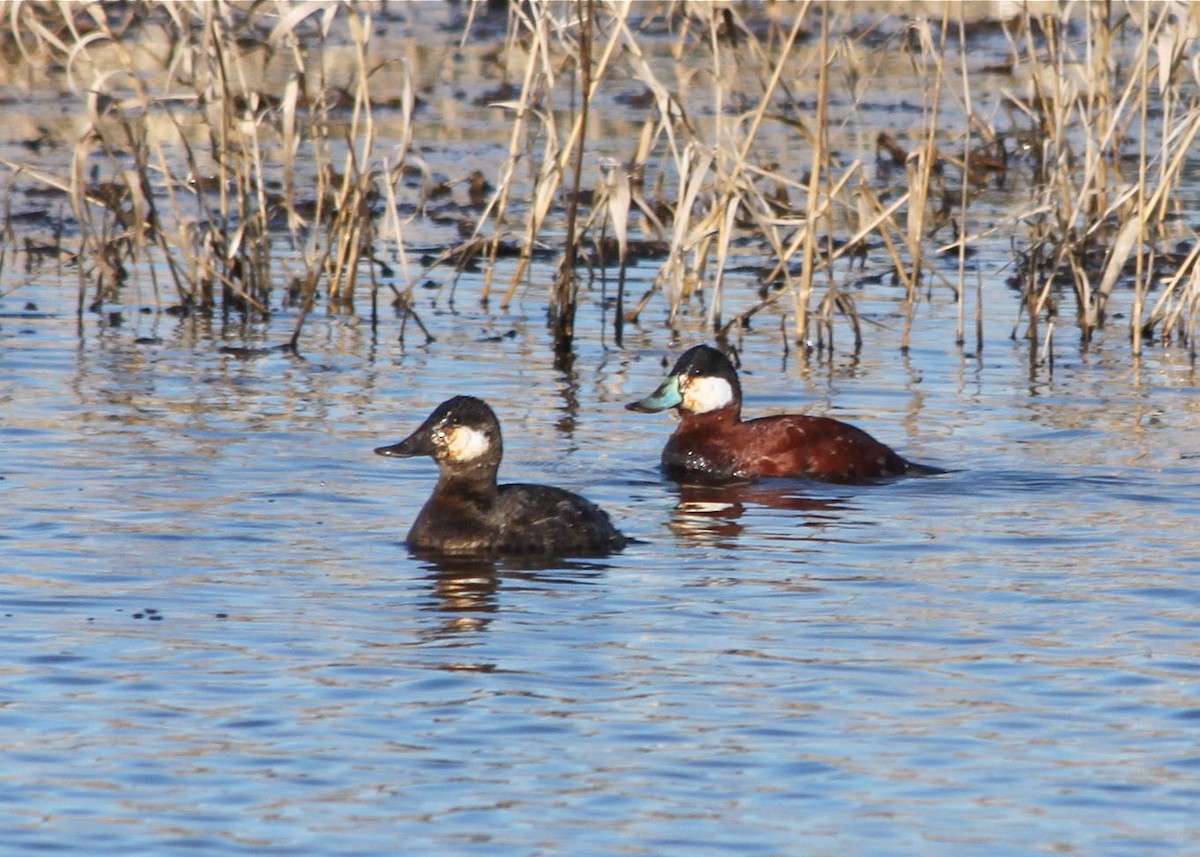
<point>465,443</point>
<point>701,395</point>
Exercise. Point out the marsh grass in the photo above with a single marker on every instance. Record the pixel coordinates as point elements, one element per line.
<point>231,155</point>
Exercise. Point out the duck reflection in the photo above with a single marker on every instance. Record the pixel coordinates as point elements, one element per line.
<point>466,589</point>
<point>708,513</point>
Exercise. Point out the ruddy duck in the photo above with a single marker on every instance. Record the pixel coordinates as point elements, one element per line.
<point>714,444</point>
<point>470,514</point>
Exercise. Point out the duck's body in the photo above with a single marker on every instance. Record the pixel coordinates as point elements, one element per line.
<point>720,445</point>
<point>469,513</point>
<point>511,519</point>
<point>712,441</point>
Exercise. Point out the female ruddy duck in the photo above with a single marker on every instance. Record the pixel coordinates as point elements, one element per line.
<point>470,514</point>
<point>713,443</point>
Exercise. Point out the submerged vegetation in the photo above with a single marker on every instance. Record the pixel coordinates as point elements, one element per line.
<point>234,153</point>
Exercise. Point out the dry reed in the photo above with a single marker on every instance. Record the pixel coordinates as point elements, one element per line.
<point>225,136</point>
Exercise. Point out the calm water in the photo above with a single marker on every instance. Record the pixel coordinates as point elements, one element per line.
<point>216,642</point>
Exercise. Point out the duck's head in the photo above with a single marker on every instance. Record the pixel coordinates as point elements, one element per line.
<point>703,380</point>
<point>461,432</point>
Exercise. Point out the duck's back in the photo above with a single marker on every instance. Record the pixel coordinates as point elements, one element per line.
<point>820,447</point>
<point>545,519</point>
<point>790,445</point>
<point>514,519</point>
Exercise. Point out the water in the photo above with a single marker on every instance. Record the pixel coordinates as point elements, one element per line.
<point>216,641</point>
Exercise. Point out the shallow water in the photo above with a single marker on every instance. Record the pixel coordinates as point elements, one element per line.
<point>216,640</point>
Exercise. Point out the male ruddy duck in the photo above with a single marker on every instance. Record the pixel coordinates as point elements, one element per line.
<point>470,514</point>
<point>713,443</point>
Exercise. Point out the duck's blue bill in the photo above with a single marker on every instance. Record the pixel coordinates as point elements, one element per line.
<point>666,396</point>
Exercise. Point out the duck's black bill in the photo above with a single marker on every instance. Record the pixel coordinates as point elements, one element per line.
<point>413,445</point>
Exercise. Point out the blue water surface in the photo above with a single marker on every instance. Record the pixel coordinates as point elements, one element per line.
<point>217,641</point>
